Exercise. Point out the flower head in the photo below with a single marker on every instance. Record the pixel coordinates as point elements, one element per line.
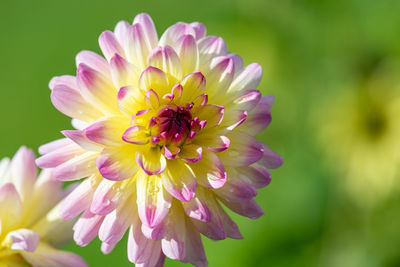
<point>29,226</point>
<point>165,133</point>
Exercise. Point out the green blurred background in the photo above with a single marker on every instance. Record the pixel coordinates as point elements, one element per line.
<point>313,53</point>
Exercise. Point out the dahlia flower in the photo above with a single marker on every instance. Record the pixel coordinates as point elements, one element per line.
<point>165,135</point>
<point>361,137</point>
<point>30,227</point>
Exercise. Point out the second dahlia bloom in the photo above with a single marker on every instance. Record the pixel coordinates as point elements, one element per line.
<point>164,134</point>
<point>30,225</point>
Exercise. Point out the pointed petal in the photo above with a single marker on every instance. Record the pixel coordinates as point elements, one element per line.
<point>188,53</point>
<point>10,206</point>
<point>175,32</point>
<point>152,200</point>
<point>259,117</point>
<point>23,239</point>
<point>138,46</point>
<point>24,172</point>
<point>136,135</point>
<point>249,78</point>
<point>108,130</point>
<point>193,85</point>
<point>151,160</point>
<point>149,31</point>
<point>109,45</point>
<point>117,163</point>
<point>249,208</point>
<point>220,76</point>
<point>197,208</point>
<point>154,78</point>
<point>81,139</point>
<point>209,172</point>
<point>76,168</point>
<point>216,143</point>
<point>213,114</point>
<point>191,153</point>
<point>123,73</point>
<point>270,159</point>
<point>130,100</point>
<point>179,180</point>
<point>94,61</point>
<point>87,228</point>
<point>166,59</point>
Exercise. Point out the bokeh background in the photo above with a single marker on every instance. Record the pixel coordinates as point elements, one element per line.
<point>333,66</point>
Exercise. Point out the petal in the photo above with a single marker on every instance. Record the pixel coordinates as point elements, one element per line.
<point>237,188</point>
<point>48,256</point>
<point>191,153</point>
<point>117,222</point>
<point>247,99</point>
<point>175,32</point>
<point>149,31</point>
<point>58,156</point>
<point>77,167</point>
<point>210,47</point>
<point>117,163</point>
<point>109,45</point>
<point>64,80</point>
<point>233,118</point>
<point>220,76</point>
<point>259,117</point>
<point>193,85</point>
<point>123,73</point>
<point>142,249</point>
<point>70,102</point>
<point>209,172</point>
<point>24,172</point>
<point>108,130</point>
<point>156,233</point>
<point>270,159</point>
<point>23,239</point>
<point>197,207</point>
<point>216,143</point>
<point>105,197</point>
<point>154,78</point>
<point>96,89</point>
<point>79,199</point>
<point>173,243</point>
<point>130,100</point>
<point>249,208</point>
<point>166,59</point>
<point>188,53</point>
<point>194,250</point>
<point>152,100</point>
<point>179,180</point>
<point>87,228</point>
<point>152,200</point>
<point>136,135</point>
<point>53,145</point>
<point>213,114</point>
<point>249,78</point>
<point>199,29</point>
<point>81,139</point>
<point>138,46</point>
<point>151,161</point>
<point>10,206</point>
<point>243,150</point>
<point>94,61</point>
<point>257,174</point>
<point>121,32</point>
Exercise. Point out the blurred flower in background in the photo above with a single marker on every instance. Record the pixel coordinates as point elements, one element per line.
<point>360,129</point>
<point>30,224</point>
<point>165,135</point>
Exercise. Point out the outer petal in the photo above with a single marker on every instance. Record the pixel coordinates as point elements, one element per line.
<point>149,31</point>
<point>77,167</point>
<point>23,239</point>
<point>199,29</point>
<point>81,139</point>
<point>249,208</point>
<point>247,100</point>
<point>138,46</point>
<point>46,256</point>
<point>194,252</point>
<point>79,199</point>
<point>166,59</point>
<point>270,159</point>
<point>10,206</point>
<point>237,188</point>
<point>220,76</point>
<point>97,89</point>
<point>243,150</point>
<point>249,78</point>
<point>24,172</point>
<point>175,32</point>
<point>257,174</point>
<point>117,222</point>
<point>188,53</point>
<point>123,73</point>
<point>108,131</point>
<point>209,172</point>
<point>179,180</point>
<point>94,61</point>
<point>65,80</point>
<point>60,155</point>
<point>71,103</point>
<point>173,244</point>
<point>152,199</point>
<point>142,250</point>
<point>105,197</point>
<point>210,47</point>
<point>87,228</point>
<point>216,143</point>
<point>260,117</point>
<point>117,163</point>
<point>109,45</point>
<point>197,208</point>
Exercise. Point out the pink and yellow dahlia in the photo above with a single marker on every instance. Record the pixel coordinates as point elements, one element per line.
<point>30,226</point>
<point>165,135</point>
